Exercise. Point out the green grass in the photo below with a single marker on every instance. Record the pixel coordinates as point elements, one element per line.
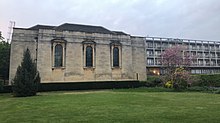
<point>112,106</point>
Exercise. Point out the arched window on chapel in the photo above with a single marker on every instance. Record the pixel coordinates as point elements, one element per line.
<point>89,56</point>
<point>58,56</point>
<point>89,53</point>
<point>116,51</point>
<point>58,53</point>
<point>115,57</point>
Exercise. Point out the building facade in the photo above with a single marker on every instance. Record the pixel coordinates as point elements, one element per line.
<point>78,53</point>
<point>207,54</point>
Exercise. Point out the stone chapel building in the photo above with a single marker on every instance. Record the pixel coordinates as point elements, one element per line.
<point>79,53</point>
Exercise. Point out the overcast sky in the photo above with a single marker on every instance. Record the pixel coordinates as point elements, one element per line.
<point>191,19</point>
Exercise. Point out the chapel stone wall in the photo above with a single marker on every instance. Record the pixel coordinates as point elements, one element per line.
<point>40,43</point>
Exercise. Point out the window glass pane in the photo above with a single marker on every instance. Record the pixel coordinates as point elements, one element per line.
<point>115,57</point>
<point>89,55</point>
<point>150,61</point>
<point>58,55</point>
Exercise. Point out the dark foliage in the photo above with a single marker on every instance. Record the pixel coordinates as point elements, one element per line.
<point>89,85</point>
<point>1,85</point>
<point>27,77</point>
<point>69,86</point>
<point>6,89</point>
<point>4,60</point>
<point>212,80</point>
<point>154,81</point>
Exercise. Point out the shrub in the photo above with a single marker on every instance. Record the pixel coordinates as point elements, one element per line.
<point>217,91</point>
<point>180,84</point>
<point>1,85</point>
<point>195,80</point>
<point>27,77</point>
<point>180,80</point>
<point>153,81</point>
<point>212,80</point>
<point>169,84</point>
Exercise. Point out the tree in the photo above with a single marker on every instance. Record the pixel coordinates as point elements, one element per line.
<point>4,59</point>
<point>1,37</point>
<point>27,77</point>
<point>176,62</point>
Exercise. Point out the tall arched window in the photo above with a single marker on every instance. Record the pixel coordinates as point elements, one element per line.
<point>89,56</point>
<point>115,57</point>
<point>58,61</point>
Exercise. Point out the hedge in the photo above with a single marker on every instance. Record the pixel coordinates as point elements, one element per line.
<point>210,80</point>
<point>82,86</point>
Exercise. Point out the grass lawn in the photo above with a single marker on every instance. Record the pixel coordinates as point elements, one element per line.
<point>112,106</point>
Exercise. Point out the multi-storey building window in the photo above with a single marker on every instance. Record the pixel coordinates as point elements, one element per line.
<point>206,47</point>
<point>212,47</point>
<point>199,47</point>
<point>193,53</point>
<point>206,54</point>
<point>150,52</point>
<point>206,62</point>
<point>150,61</point>
<point>194,63</point>
<point>157,53</point>
<point>212,55</point>
<point>200,62</point>
<point>218,55</point>
<point>165,45</point>
<point>170,45</point>
<point>217,47</point>
<point>158,61</point>
<point>193,47</point>
<point>212,63</point>
<point>150,45</point>
<point>190,47</point>
<point>200,54</point>
<point>218,62</point>
<point>157,45</point>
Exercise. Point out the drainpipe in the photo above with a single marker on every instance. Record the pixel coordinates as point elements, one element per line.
<point>36,39</point>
